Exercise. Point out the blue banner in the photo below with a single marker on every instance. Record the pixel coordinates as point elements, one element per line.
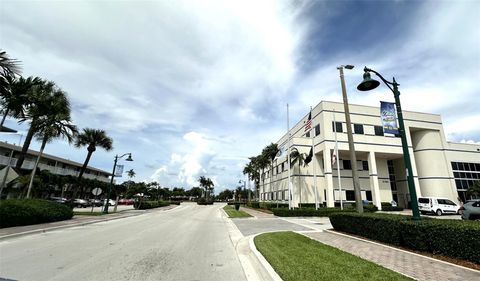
<point>389,117</point>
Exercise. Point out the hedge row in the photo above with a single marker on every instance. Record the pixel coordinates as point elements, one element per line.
<point>453,238</point>
<point>204,201</point>
<point>143,205</point>
<point>308,212</point>
<point>16,212</point>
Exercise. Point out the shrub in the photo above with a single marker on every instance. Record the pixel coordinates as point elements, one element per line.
<point>387,207</point>
<point>453,238</point>
<point>272,205</point>
<point>204,201</point>
<point>255,205</point>
<point>307,212</point>
<point>16,212</point>
<point>174,202</point>
<point>143,205</point>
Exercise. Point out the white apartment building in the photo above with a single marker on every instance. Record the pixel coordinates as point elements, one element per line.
<point>440,168</point>
<point>53,164</point>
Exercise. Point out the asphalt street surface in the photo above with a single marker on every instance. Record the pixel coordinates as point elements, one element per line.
<point>186,243</point>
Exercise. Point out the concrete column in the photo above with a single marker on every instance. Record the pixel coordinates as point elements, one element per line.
<point>374,186</point>
<point>327,171</point>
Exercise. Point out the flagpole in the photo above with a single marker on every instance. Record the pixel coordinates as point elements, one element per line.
<point>338,162</point>
<point>314,170</point>
<point>288,162</point>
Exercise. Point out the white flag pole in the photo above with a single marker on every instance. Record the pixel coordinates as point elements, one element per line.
<point>314,170</point>
<point>288,162</point>
<point>338,162</point>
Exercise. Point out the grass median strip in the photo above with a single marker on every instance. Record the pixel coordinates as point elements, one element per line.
<point>296,257</point>
<point>232,213</point>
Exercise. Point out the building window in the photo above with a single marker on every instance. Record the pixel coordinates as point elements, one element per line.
<point>350,194</point>
<point>317,130</point>
<point>378,130</point>
<point>391,175</point>
<point>358,129</point>
<point>465,174</point>
<point>337,126</point>
<point>283,166</point>
<point>368,193</point>
<point>347,165</point>
<point>307,134</point>
<point>365,165</point>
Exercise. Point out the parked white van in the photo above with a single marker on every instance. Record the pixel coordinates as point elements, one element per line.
<point>437,206</point>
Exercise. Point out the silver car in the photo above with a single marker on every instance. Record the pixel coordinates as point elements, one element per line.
<point>471,210</point>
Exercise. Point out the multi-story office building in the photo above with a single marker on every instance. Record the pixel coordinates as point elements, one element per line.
<point>53,164</point>
<point>440,168</point>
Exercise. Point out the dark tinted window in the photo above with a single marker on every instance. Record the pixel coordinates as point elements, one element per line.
<point>423,200</point>
<point>454,165</point>
<point>307,134</point>
<point>347,165</point>
<point>358,128</point>
<point>368,193</point>
<point>350,194</point>
<point>365,165</point>
<point>338,126</point>
<point>317,130</point>
<point>378,130</point>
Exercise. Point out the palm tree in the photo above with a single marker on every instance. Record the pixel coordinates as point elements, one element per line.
<point>262,162</point>
<point>9,68</point>
<point>270,152</point>
<point>131,173</point>
<point>37,102</point>
<point>207,184</point>
<point>297,157</point>
<point>58,124</point>
<point>92,138</point>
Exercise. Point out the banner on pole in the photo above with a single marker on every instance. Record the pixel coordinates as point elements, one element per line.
<point>389,117</point>
<point>119,171</point>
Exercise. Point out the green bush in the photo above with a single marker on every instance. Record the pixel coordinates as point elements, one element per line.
<point>16,212</point>
<point>255,205</point>
<point>204,201</point>
<point>387,207</point>
<point>307,212</point>
<point>453,238</point>
<point>174,202</point>
<point>143,205</point>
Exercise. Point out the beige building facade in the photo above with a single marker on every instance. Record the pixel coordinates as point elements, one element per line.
<point>440,168</point>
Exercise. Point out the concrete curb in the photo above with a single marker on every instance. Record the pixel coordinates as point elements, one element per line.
<point>394,248</point>
<point>48,229</point>
<point>273,274</point>
<point>254,268</point>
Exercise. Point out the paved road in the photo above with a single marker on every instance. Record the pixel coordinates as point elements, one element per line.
<point>186,243</point>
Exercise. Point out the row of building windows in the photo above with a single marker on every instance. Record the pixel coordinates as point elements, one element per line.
<point>283,195</point>
<point>462,166</point>
<point>357,128</point>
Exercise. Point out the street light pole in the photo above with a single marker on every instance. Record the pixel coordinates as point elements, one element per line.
<point>351,145</point>
<point>369,84</point>
<point>105,209</point>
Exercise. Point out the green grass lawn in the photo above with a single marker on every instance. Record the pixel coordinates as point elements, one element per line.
<point>232,213</point>
<point>296,257</point>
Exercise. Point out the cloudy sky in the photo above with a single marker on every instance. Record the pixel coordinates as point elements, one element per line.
<point>195,87</point>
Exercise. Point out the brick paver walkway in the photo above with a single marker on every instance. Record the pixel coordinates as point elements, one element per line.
<point>413,265</point>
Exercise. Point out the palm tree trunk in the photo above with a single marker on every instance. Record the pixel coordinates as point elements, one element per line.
<point>44,142</point>
<point>4,117</point>
<point>26,145</point>
<point>85,164</point>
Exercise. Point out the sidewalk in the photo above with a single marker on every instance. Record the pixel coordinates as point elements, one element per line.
<point>257,214</point>
<point>16,231</point>
<point>410,264</point>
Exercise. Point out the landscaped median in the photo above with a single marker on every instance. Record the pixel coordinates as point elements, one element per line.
<point>143,205</point>
<point>296,257</point>
<point>451,238</point>
<point>232,213</point>
<point>17,212</point>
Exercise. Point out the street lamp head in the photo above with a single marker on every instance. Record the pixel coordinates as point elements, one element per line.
<point>368,83</point>
<point>129,158</point>
<point>349,66</point>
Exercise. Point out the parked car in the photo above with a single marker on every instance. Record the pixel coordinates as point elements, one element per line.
<point>471,210</point>
<point>81,203</point>
<point>96,202</point>
<point>438,206</point>
<point>111,202</point>
<point>60,200</point>
<point>125,201</point>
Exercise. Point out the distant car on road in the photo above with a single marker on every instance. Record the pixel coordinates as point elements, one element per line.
<point>471,210</point>
<point>96,202</point>
<point>438,206</point>
<point>125,201</point>
<point>81,203</point>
